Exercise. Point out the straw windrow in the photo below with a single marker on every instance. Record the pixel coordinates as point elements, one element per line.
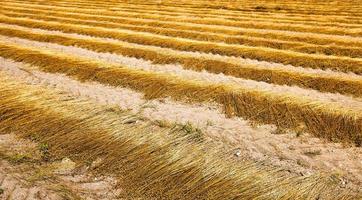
<point>322,119</point>
<point>333,83</point>
<point>150,11</point>
<point>283,71</point>
<point>188,31</point>
<point>286,57</point>
<point>176,10</point>
<point>297,36</point>
<point>148,161</point>
<point>265,25</point>
<point>227,7</point>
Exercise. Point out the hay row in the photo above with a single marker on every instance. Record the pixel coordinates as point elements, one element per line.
<point>348,12</point>
<point>255,25</point>
<point>291,9</point>
<point>226,10</point>
<point>294,4</point>
<point>280,35</point>
<point>353,52</point>
<point>180,30</point>
<point>226,14</point>
<point>229,8</point>
<point>262,25</point>
<point>245,17</point>
<point>119,12</point>
<point>244,23</point>
<point>176,70</point>
<point>183,6</point>
<point>195,115</point>
<point>317,40</point>
<point>325,120</point>
<point>215,15</point>
<point>332,83</point>
<point>149,161</point>
<point>173,11</point>
<point>343,64</point>
<point>236,7</point>
<point>152,9</point>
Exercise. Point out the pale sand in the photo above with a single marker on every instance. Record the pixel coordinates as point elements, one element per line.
<point>36,179</point>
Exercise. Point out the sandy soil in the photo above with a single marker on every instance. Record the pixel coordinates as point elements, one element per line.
<point>301,154</point>
<point>24,174</point>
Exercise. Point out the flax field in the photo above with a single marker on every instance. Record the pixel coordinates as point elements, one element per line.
<point>165,99</point>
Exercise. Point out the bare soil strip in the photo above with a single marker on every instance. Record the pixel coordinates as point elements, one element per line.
<point>25,175</point>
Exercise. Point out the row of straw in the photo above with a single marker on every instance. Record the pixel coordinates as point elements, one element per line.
<point>176,11</point>
<point>264,25</point>
<point>286,57</point>
<point>300,37</point>
<point>340,84</point>
<point>225,9</point>
<point>148,161</point>
<point>261,7</point>
<point>186,31</point>
<point>327,120</point>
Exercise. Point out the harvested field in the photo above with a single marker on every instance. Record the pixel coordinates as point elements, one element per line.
<point>181,99</point>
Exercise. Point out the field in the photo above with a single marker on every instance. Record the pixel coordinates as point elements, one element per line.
<point>165,99</point>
